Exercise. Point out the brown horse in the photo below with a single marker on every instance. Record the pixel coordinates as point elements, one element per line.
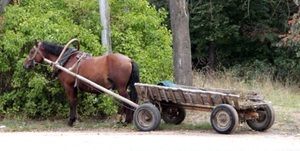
<point>112,71</point>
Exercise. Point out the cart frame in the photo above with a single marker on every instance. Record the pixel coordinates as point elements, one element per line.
<point>228,108</point>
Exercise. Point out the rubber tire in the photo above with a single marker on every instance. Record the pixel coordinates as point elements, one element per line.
<point>171,115</point>
<point>265,121</point>
<point>146,117</point>
<point>224,119</point>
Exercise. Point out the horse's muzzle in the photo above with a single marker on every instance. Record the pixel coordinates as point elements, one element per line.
<point>29,65</point>
<point>26,67</point>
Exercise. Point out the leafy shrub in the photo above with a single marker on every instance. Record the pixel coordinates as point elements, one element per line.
<point>137,31</point>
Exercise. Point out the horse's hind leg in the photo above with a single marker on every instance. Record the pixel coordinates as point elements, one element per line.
<point>129,115</point>
<point>121,111</point>
<point>125,108</point>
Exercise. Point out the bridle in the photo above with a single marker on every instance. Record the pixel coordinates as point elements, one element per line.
<point>36,51</point>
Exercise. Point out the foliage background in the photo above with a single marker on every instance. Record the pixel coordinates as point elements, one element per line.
<point>250,38</point>
<point>137,31</point>
<point>246,36</point>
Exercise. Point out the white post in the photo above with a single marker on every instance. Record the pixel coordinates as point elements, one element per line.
<point>105,22</point>
<point>3,3</point>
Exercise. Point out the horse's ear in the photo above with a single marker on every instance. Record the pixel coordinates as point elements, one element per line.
<point>37,42</point>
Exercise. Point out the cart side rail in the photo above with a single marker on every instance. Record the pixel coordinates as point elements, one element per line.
<point>179,95</point>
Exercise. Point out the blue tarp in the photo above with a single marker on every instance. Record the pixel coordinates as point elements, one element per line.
<point>167,83</point>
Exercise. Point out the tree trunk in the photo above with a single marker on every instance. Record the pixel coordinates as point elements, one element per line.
<point>181,42</point>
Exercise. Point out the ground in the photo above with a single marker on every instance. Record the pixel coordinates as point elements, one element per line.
<point>284,135</point>
<point>147,141</point>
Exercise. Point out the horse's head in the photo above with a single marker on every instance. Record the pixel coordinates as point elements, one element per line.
<point>34,57</point>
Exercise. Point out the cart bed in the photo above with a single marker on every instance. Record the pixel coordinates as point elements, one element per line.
<point>201,97</point>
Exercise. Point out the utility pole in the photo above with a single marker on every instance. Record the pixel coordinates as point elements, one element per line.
<point>105,22</point>
<point>3,3</point>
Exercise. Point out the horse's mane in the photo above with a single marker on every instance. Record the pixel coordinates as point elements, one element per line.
<point>52,48</point>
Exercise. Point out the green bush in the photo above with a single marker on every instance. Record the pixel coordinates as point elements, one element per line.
<point>137,31</point>
<point>141,35</point>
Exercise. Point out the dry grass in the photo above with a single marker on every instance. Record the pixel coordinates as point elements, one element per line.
<point>275,92</point>
<point>284,99</point>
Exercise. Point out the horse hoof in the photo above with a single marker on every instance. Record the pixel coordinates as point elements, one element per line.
<point>70,123</point>
<point>125,123</point>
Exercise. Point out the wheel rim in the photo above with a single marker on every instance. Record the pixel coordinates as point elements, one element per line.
<point>171,113</point>
<point>222,120</point>
<point>262,116</point>
<point>145,118</point>
<point>260,121</point>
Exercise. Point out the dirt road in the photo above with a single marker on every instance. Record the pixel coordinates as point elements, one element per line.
<point>146,141</point>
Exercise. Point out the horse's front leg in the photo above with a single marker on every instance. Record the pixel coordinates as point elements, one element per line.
<point>72,98</point>
<point>73,112</point>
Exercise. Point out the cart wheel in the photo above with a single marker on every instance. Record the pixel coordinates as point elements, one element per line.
<point>224,119</point>
<point>173,115</point>
<point>265,119</point>
<point>146,117</point>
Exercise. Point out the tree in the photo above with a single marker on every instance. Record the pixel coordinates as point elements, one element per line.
<point>241,35</point>
<point>181,42</point>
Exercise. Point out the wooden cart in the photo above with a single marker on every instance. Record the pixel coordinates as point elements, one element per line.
<point>228,108</point>
<point>169,103</point>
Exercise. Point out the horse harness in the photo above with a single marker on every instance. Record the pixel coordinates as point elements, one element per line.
<point>80,56</point>
<point>66,56</point>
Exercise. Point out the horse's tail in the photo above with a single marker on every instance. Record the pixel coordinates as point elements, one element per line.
<point>134,78</point>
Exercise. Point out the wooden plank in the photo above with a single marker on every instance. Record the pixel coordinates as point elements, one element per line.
<point>225,99</point>
<point>139,91</point>
<point>189,98</point>
<point>146,95</point>
<point>157,94</point>
<point>218,100</point>
<point>236,103</point>
<point>164,94</point>
<point>198,97</point>
<point>150,93</point>
<point>180,93</point>
<point>210,102</point>
<point>173,97</point>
